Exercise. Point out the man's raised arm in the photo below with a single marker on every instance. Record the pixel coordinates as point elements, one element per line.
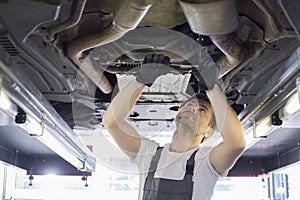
<point>115,116</point>
<point>126,137</point>
<point>224,155</point>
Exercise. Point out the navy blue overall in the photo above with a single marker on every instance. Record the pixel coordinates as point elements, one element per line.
<point>166,189</point>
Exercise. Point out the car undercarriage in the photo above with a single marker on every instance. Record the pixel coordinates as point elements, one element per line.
<point>62,62</point>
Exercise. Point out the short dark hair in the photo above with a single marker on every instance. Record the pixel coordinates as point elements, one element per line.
<point>204,97</point>
<point>199,96</point>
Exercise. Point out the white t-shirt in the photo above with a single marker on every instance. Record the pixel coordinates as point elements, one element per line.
<point>172,165</point>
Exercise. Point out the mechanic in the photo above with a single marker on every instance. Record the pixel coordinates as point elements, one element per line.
<point>182,169</point>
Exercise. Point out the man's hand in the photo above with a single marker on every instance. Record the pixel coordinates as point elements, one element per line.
<point>206,75</point>
<point>153,66</point>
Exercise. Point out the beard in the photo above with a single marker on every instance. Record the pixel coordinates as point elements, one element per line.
<point>185,125</point>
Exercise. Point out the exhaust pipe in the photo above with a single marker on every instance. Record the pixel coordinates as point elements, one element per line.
<point>216,19</point>
<point>77,10</point>
<point>233,51</point>
<point>127,18</point>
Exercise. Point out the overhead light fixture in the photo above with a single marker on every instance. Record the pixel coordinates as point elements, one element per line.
<point>261,128</point>
<point>55,145</point>
<point>292,105</point>
<point>5,102</point>
<point>44,123</point>
<point>37,129</point>
<point>258,131</point>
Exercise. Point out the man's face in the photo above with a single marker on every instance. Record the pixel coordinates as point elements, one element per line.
<point>194,115</point>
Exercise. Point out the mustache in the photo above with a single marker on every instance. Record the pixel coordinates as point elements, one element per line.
<point>187,112</point>
<point>179,115</point>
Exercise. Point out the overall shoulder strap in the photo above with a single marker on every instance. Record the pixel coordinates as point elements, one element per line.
<point>190,163</point>
<point>155,159</point>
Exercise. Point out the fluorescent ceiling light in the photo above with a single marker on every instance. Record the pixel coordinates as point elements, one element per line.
<point>54,144</point>
<point>34,127</point>
<point>5,102</point>
<point>250,139</point>
<point>41,133</point>
<point>292,105</point>
<point>263,127</point>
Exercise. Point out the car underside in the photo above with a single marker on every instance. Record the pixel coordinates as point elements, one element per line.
<point>63,61</point>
